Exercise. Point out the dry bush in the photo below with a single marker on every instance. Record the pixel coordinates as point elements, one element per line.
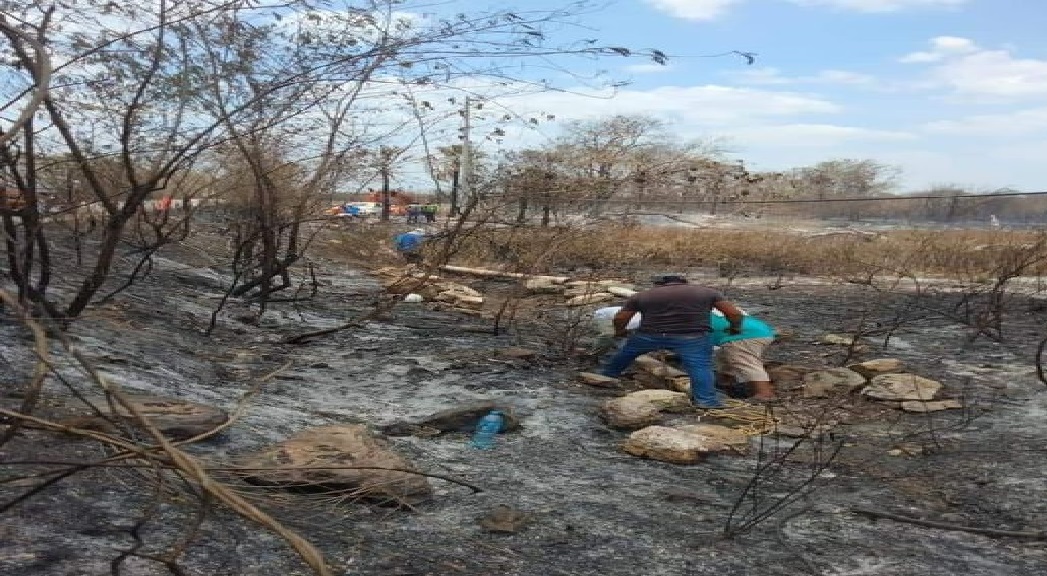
<point>969,255</point>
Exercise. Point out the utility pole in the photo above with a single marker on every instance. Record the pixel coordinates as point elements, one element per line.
<point>465,184</point>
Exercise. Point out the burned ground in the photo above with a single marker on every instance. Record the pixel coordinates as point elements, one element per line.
<point>590,508</point>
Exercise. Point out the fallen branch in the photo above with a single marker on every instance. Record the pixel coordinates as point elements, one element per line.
<point>232,469</point>
<point>488,273</point>
<point>1036,535</point>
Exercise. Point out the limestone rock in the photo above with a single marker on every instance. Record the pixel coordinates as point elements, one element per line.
<point>657,367</point>
<point>681,384</point>
<point>824,383</point>
<point>787,376</point>
<point>598,380</point>
<point>620,291</point>
<point>729,437</point>
<point>175,418</point>
<point>629,413</point>
<point>672,445</point>
<point>664,400</point>
<point>901,387</point>
<point>871,368</point>
<point>542,286</point>
<point>852,340</point>
<point>460,299</point>
<point>330,451</point>
<point>457,419</point>
<point>930,406</point>
<point>458,289</point>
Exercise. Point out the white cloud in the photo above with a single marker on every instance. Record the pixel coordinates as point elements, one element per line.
<point>701,108</point>
<point>815,135</point>
<point>881,5</point>
<point>1006,125</point>
<point>694,9</point>
<point>703,10</point>
<point>969,69</point>
<point>942,47</point>
<point>774,76</point>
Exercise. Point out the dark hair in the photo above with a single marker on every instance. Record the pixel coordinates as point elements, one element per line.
<point>663,279</point>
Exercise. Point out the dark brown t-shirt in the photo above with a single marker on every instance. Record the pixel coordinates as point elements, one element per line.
<point>677,309</point>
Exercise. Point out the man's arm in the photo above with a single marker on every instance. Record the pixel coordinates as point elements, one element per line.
<point>621,321</point>
<point>732,313</point>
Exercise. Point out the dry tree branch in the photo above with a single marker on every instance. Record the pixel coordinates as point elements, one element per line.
<point>40,369</point>
<point>241,407</point>
<point>1036,535</point>
<point>108,463</point>
<point>195,472</point>
<point>41,74</point>
<point>186,465</point>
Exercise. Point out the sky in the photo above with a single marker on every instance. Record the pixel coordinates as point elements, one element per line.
<point>953,92</point>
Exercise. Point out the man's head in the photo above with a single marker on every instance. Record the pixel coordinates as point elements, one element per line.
<point>664,279</point>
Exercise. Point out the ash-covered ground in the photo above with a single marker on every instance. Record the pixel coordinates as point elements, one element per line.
<point>591,508</point>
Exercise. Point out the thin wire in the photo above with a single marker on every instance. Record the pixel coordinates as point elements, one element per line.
<point>800,200</point>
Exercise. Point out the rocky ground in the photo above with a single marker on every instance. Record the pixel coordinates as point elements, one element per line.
<point>559,496</point>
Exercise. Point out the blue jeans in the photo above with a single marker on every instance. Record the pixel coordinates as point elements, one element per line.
<point>695,352</point>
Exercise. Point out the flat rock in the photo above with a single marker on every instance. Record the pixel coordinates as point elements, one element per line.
<point>930,406</point>
<point>382,474</point>
<point>664,400</point>
<point>901,387</point>
<point>673,445</point>
<point>175,418</point>
<point>824,383</point>
<point>597,380</point>
<point>871,368</point>
<point>729,437</point>
<point>542,286</point>
<point>787,376</point>
<point>839,339</point>
<point>629,413</point>
<point>456,419</point>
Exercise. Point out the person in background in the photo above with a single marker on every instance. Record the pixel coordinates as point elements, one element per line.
<point>409,245</point>
<point>352,211</point>
<point>413,212</point>
<point>430,210</point>
<point>741,354</point>
<point>675,316</point>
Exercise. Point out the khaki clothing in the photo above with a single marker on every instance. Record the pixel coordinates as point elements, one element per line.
<point>743,359</point>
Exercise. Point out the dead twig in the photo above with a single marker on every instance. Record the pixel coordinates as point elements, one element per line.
<point>40,369</point>
<point>878,514</point>
<point>1039,361</point>
<point>109,463</point>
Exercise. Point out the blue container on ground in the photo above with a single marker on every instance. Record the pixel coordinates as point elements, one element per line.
<point>487,430</point>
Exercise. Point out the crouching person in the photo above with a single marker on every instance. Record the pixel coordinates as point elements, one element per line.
<point>409,245</point>
<point>740,356</point>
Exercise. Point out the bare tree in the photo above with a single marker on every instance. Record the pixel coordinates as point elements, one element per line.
<point>157,86</point>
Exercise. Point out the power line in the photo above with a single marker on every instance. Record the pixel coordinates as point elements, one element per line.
<point>805,200</point>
